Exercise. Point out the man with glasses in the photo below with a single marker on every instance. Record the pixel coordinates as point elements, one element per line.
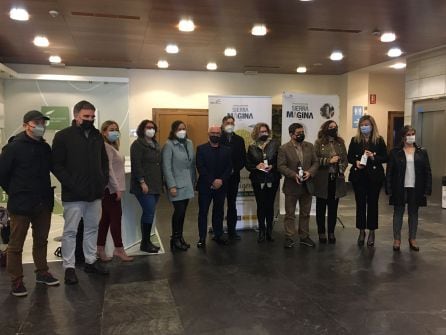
<point>297,161</point>
<point>80,163</point>
<point>25,164</point>
<point>214,167</point>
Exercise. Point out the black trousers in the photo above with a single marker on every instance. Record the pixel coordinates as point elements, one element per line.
<point>265,204</point>
<point>321,205</point>
<point>178,216</point>
<point>205,197</point>
<point>231,197</point>
<point>366,196</point>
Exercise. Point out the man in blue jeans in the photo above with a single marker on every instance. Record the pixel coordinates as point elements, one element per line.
<point>214,166</point>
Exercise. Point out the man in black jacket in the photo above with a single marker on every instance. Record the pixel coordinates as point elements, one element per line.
<point>238,156</point>
<point>80,163</point>
<point>25,165</point>
<point>214,167</point>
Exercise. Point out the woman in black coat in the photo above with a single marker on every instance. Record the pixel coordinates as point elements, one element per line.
<point>367,152</point>
<point>261,161</point>
<point>409,180</point>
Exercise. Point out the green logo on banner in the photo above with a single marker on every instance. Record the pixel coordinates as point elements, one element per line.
<point>59,117</point>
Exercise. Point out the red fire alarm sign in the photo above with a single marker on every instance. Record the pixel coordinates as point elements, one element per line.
<point>372,99</point>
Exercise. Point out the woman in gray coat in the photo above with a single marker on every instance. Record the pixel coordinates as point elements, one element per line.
<point>179,174</point>
<point>329,182</point>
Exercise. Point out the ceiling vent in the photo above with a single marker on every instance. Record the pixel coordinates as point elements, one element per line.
<point>335,30</point>
<point>106,16</point>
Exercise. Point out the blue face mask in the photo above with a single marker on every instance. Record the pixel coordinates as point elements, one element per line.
<point>113,136</point>
<point>365,130</point>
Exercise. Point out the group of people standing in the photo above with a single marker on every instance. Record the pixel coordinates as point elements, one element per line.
<point>90,168</point>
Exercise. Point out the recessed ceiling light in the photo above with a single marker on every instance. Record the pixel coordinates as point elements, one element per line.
<point>230,52</point>
<point>162,64</point>
<point>41,41</point>
<point>394,52</point>
<point>19,14</point>
<point>336,56</point>
<point>211,66</point>
<point>186,25</point>
<point>259,30</point>
<point>301,69</point>
<point>398,66</point>
<point>172,49</point>
<point>306,0</point>
<point>388,37</point>
<point>55,59</point>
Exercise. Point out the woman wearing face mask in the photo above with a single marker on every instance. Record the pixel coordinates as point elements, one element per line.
<point>261,161</point>
<point>329,183</point>
<point>367,152</point>
<point>146,185</point>
<point>409,180</point>
<point>179,174</point>
<point>111,202</point>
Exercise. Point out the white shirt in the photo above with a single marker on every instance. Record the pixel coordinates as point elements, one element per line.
<point>409,176</point>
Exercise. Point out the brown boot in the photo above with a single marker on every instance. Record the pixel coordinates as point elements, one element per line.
<point>102,255</point>
<point>120,253</point>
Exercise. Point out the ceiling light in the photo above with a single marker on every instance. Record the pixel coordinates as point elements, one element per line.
<point>388,37</point>
<point>41,41</point>
<point>259,30</point>
<point>230,52</point>
<point>306,0</point>
<point>398,66</point>
<point>162,64</point>
<point>301,69</point>
<point>19,14</point>
<point>172,49</point>
<point>55,59</point>
<point>394,52</point>
<point>336,56</point>
<point>186,25</point>
<point>211,66</point>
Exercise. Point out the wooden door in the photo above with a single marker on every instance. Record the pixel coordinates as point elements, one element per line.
<point>395,122</point>
<point>196,121</point>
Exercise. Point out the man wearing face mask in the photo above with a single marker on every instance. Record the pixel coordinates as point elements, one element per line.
<point>297,161</point>
<point>238,155</point>
<point>214,166</point>
<point>80,163</point>
<point>25,165</point>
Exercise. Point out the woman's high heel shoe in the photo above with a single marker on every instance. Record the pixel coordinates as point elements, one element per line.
<point>371,238</point>
<point>396,245</point>
<point>413,246</point>
<point>361,237</point>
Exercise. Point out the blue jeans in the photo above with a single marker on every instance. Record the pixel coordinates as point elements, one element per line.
<point>148,204</point>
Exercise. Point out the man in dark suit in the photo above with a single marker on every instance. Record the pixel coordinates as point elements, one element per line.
<point>293,157</point>
<point>214,167</point>
<point>238,155</point>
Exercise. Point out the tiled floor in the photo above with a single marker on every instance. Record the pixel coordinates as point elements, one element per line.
<point>247,288</point>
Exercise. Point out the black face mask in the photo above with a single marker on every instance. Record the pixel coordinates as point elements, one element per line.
<point>332,132</point>
<point>300,138</point>
<point>86,124</point>
<point>263,138</point>
<point>214,139</point>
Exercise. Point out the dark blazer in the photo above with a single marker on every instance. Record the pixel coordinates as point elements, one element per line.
<point>396,171</point>
<point>80,163</point>
<point>25,166</point>
<point>288,163</point>
<point>213,163</point>
<point>374,169</point>
<point>145,160</point>
<point>238,152</point>
<point>255,156</point>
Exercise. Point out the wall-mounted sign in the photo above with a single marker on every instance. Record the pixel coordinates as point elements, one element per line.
<point>59,116</point>
<point>372,99</point>
<point>357,113</point>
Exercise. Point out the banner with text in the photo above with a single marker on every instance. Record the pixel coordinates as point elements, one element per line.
<point>247,111</point>
<point>311,111</point>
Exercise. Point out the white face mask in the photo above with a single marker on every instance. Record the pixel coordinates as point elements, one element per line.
<point>229,128</point>
<point>38,130</point>
<point>150,133</point>
<point>410,139</point>
<point>181,134</point>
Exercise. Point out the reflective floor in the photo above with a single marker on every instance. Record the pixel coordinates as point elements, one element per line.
<point>247,288</point>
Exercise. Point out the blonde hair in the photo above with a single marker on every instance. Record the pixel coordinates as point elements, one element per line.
<point>104,128</point>
<point>256,131</point>
<point>374,134</point>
